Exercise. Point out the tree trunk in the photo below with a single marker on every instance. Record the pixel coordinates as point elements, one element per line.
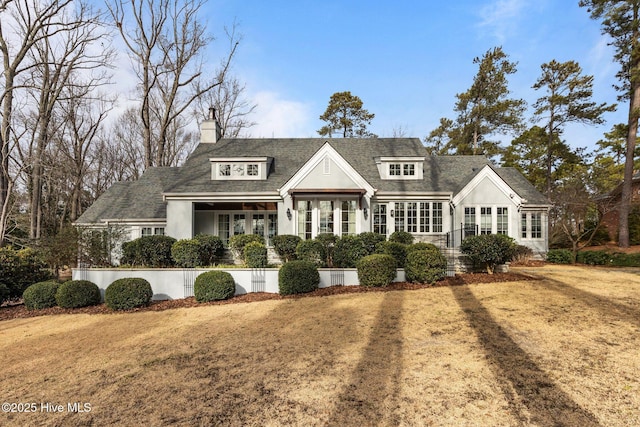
<point>627,184</point>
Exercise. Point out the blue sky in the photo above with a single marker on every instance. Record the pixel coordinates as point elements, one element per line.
<point>405,59</point>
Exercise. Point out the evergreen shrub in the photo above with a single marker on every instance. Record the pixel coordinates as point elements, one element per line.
<point>239,241</point>
<point>297,277</point>
<point>397,250</point>
<point>211,248</point>
<point>560,256</point>
<point>594,257</point>
<point>376,270</point>
<point>425,266</point>
<point>348,251</point>
<point>370,240</point>
<point>255,255</point>
<point>312,251</point>
<point>488,250</point>
<point>128,293</point>
<point>187,253</point>
<point>78,293</point>
<point>214,286</point>
<point>21,268</point>
<point>285,246</point>
<point>401,237</point>
<point>40,295</point>
<point>148,251</point>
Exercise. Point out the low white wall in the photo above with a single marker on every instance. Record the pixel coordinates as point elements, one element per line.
<point>176,283</point>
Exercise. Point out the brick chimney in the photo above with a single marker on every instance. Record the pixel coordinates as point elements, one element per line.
<point>210,130</point>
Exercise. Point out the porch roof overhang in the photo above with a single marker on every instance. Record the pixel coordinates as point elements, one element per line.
<point>224,196</point>
<point>319,192</point>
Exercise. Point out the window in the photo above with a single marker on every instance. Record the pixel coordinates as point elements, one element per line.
<point>412,217</point>
<point>409,169</point>
<point>305,216</point>
<point>399,216</point>
<point>326,216</point>
<point>437,217</point>
<point>536,226</point>
<point>239,224</point>
<point>394,169</point>
<point>502,221</point>
<point>224,170</point>
<point>380,219</point>
<point>146,231</point>
<point>252,170</point>
<point>425,223</point>
<point>257,224</point>
<point>272,228</point>
<point>485,220</point>
<point>223,228</point>
<point>348,220</point>
<point>158,231</point>
<point>470,221</point>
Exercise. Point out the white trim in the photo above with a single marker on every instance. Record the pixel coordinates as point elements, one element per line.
<point>238,159</point>
<point>218,196</point>
<point>489,173</point>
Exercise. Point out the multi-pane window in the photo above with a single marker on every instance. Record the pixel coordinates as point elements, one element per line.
<point>536,226</point>
<point>146,231</point>
<point>305,217</point>
<point>412,217</point>
<point>272,228</point>
<point>523,226</point>
<point>380,219</point>
<point>239,222</point>
<point>158,231</point>
<point>257,224</point>
<point>399,216</point>
<point>436,214</point>
<point>252,170</point>
<point>224,170</point>
<point>409,169</point>
<point>485,220</point>
<point>394,169</point>
<point>326,216</point>
<point>470,220</point>
<point>224,227</point>
<point>502,221</point>
<point>425,218</point>
<point>348,220</point>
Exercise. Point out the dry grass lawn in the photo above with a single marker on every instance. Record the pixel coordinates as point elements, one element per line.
<point>558,351</point>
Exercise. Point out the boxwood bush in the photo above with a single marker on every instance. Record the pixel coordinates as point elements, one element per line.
<point>214,286</point>
<point>285,246</point>
<point>21,268</point>
<point>397,250</point>
<point>328,243</point>
<point>376,270</point>
<point>625,260</point>
<point>401,237</point>
<point>312,251</point>
<point>239,241</point>
<point>40,295</point>
<point>348,251</point>
<point>422,246</point>
<point>211,248</point>
<point>4,293</point>
<point>560,256</point>
<point>255,255</point>
<point>187,253</point>
<point>370,240</point>
<point>78,293</point>
<point>594,258</point>
<point>128,293</point>
<point>148,251</point>
<point>425,266</point>
<point>488,250</point>
<point>297,277</point>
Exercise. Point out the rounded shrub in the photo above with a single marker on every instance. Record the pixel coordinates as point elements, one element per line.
<point>21,268</point>
<point>312,251</point>
<point>328,243</point>
<point>594,257</point>
<point>422,246</point>
<point>211,248</point>
<point>214,286</point>
<point>128,293</point>
<point>148,251</point>
<point>376,270</point>
<point>560,256</point>
<point>370,240</point>
<point>239,241</point>
<point>4,293</point>
<point>285,246</point>
<point>40,295</point>
<point>348,251</point>
<point>488,250</point>
<point>255,255</point>
<point>397,250</point>
<point>78,293</point>
<point>401,237</point>
<point>297,277</point>
<point>425,266</point>
<point>187,253</point>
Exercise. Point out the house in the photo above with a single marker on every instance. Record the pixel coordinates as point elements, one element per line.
<point>308,186</point>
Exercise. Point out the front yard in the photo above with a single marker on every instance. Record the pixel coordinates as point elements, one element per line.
<point>562,350</point>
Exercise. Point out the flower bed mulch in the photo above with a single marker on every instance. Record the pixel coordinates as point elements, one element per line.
<point>18,310</point>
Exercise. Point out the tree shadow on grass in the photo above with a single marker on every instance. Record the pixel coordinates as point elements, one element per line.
<point>371,397</point>
<point>532,395</point>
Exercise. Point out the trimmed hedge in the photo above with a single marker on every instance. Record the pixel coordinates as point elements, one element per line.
<point>422,246</point>
<point>211,248</point>
<point>128,293</point>
<point>594,258</point>
<point>255,255</point>
<point>40,295</point>
<point>297,277</point>
<point>78,293</point>
<point>312,251</point>
<point>148,251</point>
<point>376,270</point>
<point>348,251</point>
<point>488,250</point>
<point>328,244</point>
<point>397,250</point>
<point>560,256</point>
<point>401,237</point>
<point>370,240</point>
<point>425,266</point>
<point>187,253</point>
<point>214,286</point>
<point>239,241</point>
<point>285,246</point>
<point>21,268</point>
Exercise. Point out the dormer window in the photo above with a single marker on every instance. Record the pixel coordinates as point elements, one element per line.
<point>253,170</point>
<point>401,167</point>
<point>240,168</point>
<point>409,169</point>
<point>394,169</point>
<point>224,170</point>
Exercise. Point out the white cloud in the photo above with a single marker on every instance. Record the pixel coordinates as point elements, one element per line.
<point>280,118</point>
<point>501,17</point>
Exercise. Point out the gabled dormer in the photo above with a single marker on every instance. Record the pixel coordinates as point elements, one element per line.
<point>240,168</point>
<point>400,168</point>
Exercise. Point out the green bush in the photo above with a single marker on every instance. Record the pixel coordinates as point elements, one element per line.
<point>348,251</point>
<point>328,243</point>
<point>397,250</point>
<point>285,246</point>
<point>370,240</point>
<point>78,293</point>
<point>4,293</point>
<point>21,268</point>
<point>594,258</point>
<point>297,277</point>
<point>40,295</point>
<point>376,270</point>
<point>255,255</point>
<point>488,250</point>
<point>625,260</point>
<point>312,251</point>
<point>239,241</point>
<point>422,246</point>
<point>560,256</point>
<point>214,286</point>
<point>187,253</point>
<point>128,293</point>
<point>148,251</point>
<point>401,237</point>
<point>634,225</point>
<point>211,248</point>
<point>425,266</point>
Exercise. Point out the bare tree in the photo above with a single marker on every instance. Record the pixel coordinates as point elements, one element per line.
<point>165,40</point>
